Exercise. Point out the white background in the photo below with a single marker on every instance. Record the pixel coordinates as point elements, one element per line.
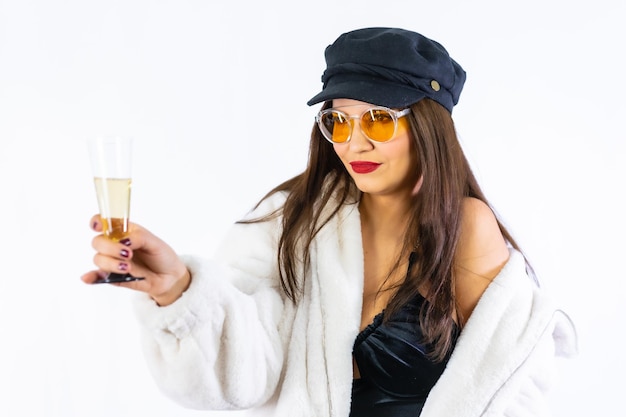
<point>215,93</point>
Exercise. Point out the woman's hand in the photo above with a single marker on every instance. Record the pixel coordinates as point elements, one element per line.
<point>141,254</point>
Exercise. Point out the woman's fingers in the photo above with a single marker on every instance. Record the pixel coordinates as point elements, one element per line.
<point>96,223</point>
<point>92,276</point>
<point>111,264</point>
<point>120,250</point>
<point>141,254</point>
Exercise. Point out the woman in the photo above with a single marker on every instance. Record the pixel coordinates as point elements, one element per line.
<point>377,283</point>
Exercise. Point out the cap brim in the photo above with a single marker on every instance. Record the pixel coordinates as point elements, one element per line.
<point>376,92</point>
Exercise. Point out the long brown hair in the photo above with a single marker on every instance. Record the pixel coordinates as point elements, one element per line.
<point>433,229</point>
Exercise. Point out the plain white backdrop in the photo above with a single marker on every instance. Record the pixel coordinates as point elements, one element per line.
<point>214,94</point>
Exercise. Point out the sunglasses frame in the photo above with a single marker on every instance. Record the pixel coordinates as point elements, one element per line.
<point>395,115</point>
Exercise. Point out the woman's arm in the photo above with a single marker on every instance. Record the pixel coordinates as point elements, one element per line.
<point>211,337</point>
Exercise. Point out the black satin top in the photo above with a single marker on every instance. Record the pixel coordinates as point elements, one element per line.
<point>396,374</point>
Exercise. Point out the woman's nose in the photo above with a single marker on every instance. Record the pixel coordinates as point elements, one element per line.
<point>358,141</point>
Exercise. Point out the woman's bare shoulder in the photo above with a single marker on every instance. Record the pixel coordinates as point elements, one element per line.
<point>481,253</point>
<point>481,237</point>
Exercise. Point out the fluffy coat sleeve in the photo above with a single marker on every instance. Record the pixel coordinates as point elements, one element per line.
<point>199,348</point>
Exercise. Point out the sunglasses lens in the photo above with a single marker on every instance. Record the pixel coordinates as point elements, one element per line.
<point>335,126</point>
<point>378,125</point>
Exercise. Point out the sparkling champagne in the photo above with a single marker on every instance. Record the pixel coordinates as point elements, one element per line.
<point>114,204</point>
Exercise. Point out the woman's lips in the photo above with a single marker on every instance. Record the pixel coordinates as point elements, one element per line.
<point>364,167</point>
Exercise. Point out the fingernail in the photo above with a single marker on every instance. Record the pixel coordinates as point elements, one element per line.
<point>124,253</point>
<point>123,266</point>
<point>125,242</point>
<point>94,225</point>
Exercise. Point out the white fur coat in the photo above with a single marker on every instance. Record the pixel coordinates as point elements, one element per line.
<point>233,342</point>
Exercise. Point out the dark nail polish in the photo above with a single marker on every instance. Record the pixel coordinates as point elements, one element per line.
<point>124,253</point>
<point>125,242</point>
<point>123,266</point>
<point>94,225</point>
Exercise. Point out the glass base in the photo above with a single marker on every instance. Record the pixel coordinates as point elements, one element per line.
<point>115,278</point>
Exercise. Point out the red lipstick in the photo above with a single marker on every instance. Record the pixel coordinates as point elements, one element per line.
<point>364,167</point>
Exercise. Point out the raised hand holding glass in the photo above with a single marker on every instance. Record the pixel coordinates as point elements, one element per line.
<point>111,162</point>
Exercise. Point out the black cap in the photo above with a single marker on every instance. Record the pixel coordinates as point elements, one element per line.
<point>390,67</point>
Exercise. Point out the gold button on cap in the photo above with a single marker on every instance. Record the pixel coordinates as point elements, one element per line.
<point>435,85</point>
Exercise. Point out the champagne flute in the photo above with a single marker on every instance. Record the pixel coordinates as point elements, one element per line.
<point>111,166</point>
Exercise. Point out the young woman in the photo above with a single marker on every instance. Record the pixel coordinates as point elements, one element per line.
<point>378,282</point>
